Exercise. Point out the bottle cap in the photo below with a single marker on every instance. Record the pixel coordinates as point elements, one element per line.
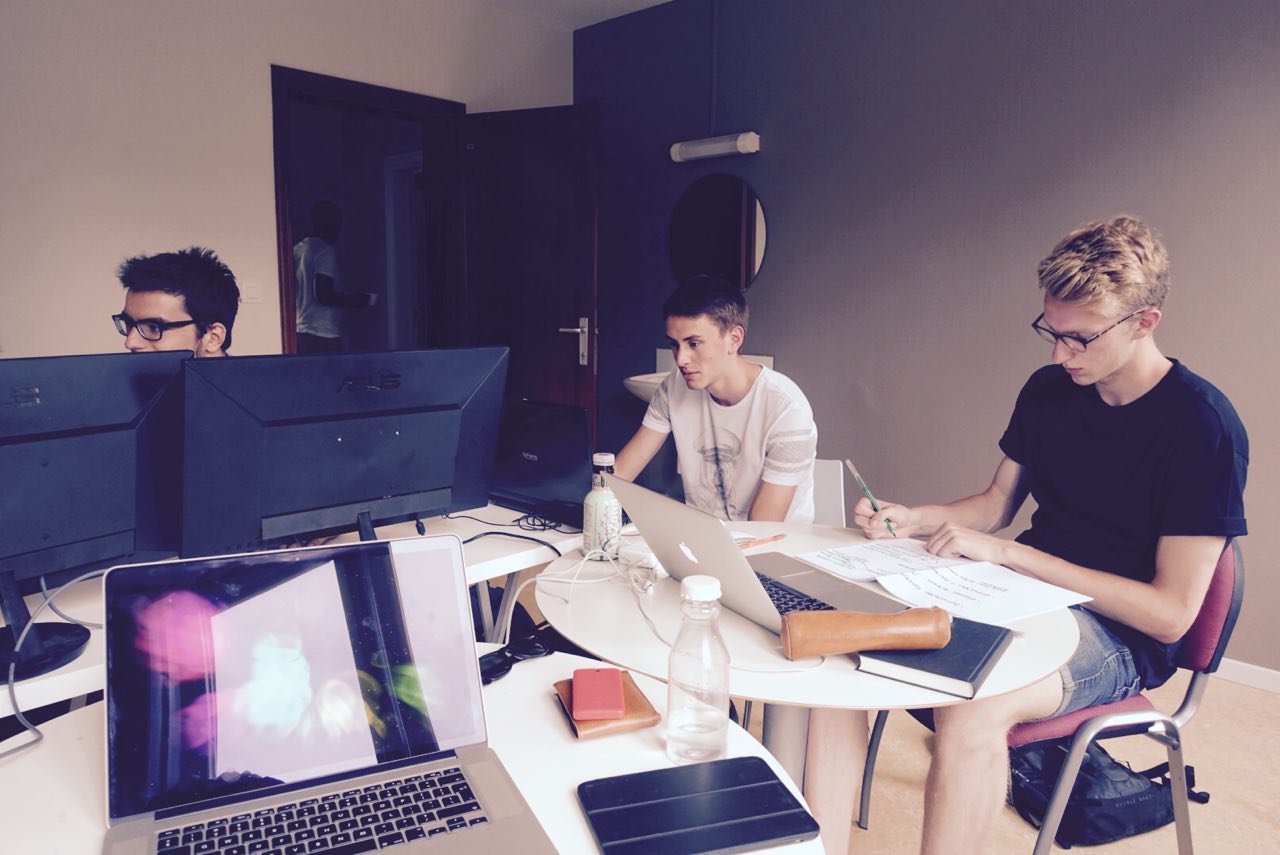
<point>700,588</point>
<point>601,458</point>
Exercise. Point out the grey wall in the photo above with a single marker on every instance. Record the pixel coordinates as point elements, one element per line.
<point>918,159</point>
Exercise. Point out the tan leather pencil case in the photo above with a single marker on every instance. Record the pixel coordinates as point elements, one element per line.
<point>807,634</point>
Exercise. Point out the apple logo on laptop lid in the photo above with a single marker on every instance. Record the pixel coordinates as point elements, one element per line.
<point>688,553</point>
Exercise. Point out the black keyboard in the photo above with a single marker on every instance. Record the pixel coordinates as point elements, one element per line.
<point>357,820</point>
<point>787,600</point>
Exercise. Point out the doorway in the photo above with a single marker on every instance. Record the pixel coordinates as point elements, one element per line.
<point>358,147</point>
<point>471,230</point>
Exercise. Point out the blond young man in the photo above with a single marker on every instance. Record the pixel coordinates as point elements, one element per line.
<point>744,434</point>
<point>1138,468</point>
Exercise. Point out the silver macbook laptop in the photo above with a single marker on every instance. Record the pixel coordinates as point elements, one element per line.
<point>323,699</point>
<point>687,541</point>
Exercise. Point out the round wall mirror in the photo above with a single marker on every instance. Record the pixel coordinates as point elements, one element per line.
<point>717,228</point>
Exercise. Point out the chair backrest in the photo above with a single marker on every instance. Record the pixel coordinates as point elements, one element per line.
<point>828,493</point>
<point>1203,645</point>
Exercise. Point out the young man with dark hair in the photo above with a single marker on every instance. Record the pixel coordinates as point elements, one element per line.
<point>1137,467</point>
<point>745,437</point>
<point>184,300</point>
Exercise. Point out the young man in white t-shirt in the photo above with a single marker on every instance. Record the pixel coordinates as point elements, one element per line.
<point>745,438</point>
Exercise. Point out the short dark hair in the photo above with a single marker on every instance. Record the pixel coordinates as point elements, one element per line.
<point>711,296</point>
<point>195,274</point>
<point>326,219</point>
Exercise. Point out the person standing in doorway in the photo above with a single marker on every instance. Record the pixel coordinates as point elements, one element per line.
<point>320,301</point>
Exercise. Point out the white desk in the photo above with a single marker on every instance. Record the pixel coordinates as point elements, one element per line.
<point>54,794</point>
<point>604,618</point>
<point>487,558</point>
<point>82,675</point>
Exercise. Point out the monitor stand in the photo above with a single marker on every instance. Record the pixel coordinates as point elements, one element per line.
<point>364,522</point>
<point>47,646</point>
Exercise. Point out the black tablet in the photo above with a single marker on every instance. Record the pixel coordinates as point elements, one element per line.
<point>733,805</point>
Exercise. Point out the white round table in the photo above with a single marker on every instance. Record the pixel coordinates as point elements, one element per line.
<point>601,613</point>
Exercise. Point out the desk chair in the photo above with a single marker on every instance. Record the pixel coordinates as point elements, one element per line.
<point>828,493</point>
<point>1200,653</point>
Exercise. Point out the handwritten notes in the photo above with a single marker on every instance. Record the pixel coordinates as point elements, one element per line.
<point>977,590</point>
<point>863,562</point>
<point>980,591</point>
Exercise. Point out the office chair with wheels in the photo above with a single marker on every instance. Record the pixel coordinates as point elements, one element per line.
<point>1200,653</point>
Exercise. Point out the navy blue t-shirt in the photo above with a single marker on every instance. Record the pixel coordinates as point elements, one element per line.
<point>1109,482</point>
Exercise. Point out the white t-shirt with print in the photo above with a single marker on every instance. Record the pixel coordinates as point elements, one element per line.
<point>725,452</point>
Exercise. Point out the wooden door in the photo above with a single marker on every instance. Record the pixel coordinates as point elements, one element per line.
<point>523,259</point>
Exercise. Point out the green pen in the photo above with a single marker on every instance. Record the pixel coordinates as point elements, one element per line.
<point>866,491</point>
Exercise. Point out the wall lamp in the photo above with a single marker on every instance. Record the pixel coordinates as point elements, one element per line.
<point>744,143</point>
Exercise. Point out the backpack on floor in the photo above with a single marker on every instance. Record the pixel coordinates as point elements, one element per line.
<point>1110,801</point>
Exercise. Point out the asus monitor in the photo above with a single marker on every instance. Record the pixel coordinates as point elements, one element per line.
<point>90,451</point>
<point>279,450</point>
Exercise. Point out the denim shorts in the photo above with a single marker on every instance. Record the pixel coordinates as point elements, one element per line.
<point>1101,670</point>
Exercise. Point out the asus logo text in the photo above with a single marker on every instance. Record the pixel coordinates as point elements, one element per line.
<point>370,382</point>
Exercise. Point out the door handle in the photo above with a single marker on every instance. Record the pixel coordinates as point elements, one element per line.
<point>583,332</point>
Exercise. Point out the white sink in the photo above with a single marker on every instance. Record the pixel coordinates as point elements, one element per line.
<point>644,385</point>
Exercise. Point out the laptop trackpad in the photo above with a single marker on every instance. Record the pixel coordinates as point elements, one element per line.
<point>807,579</point>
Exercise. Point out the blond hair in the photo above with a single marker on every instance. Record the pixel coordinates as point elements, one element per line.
<point>1122,262</point>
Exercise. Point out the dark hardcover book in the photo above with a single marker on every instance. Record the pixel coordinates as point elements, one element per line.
<point>957,669</point>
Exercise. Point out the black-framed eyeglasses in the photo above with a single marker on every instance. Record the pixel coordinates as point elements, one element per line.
<point>1075,342</point>
<point>150,329</point>
<point>495,665</point>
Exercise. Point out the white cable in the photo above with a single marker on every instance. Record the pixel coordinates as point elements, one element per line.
<point>87,624</point>
<point>13,665</point>
<point>638,584</point>
<point>821,661</point>
<point>571,574</point>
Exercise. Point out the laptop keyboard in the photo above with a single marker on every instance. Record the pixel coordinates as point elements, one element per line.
<point>787,600</point>
<point>358,820</point>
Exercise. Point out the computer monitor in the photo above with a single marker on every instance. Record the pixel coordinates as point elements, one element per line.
<point>90,449</point>
<point>280,449</point>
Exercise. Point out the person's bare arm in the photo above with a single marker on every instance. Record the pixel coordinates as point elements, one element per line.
<point>327,294</point>
<point>1163,608</point>
<point>988,511</point>
<point>637,453</point>
<point>771,503</point>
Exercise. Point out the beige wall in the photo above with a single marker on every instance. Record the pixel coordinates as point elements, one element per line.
<point>140,126</point>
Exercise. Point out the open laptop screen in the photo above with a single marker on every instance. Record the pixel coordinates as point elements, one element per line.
<point>227,675</point>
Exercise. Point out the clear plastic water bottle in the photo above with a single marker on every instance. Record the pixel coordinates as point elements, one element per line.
<point>698,677</point>
<point>601,513</point>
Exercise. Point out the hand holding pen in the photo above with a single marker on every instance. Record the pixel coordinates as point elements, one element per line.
<point>866,491</point>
